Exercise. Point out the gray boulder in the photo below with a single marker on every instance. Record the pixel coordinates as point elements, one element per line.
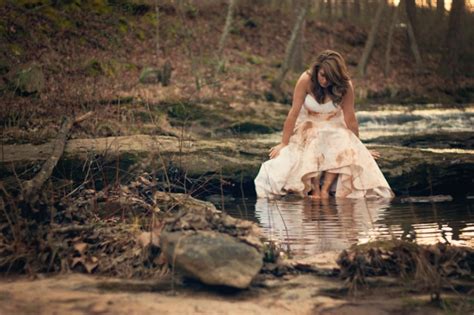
<point>151,75</point>
<point>213,258</point>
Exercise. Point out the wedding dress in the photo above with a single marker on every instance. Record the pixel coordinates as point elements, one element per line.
<point>322,142</point>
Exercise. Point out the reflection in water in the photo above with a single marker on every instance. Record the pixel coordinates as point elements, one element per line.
<point>305,226</point>
<point>308,226</point>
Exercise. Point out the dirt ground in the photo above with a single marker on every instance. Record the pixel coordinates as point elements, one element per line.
<point>290,294</point>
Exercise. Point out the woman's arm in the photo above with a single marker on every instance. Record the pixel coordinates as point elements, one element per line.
<point>347,105</point>
<point>299,95</point>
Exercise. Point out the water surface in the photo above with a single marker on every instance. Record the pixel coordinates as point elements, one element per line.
<point>305,226</point>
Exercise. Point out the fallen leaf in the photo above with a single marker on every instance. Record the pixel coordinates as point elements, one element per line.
<point>80,247</point>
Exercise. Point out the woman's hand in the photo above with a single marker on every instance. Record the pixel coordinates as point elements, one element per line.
<point>274,151</point>
<point>375,154</point>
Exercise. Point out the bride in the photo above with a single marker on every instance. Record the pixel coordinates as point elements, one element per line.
<point>320,150</point>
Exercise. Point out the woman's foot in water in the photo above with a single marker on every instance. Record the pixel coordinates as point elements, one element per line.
<point>316,193</point>
<point>324,194</point>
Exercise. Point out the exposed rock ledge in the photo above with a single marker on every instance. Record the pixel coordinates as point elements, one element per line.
<point>408,170</point>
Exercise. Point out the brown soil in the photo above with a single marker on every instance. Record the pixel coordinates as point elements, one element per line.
<point>303,294</point>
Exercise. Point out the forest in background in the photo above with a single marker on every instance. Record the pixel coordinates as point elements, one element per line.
<point>57,53</point>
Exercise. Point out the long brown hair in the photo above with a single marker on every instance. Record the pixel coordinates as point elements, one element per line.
<point>336,73</point>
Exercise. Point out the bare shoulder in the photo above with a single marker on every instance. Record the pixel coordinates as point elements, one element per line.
<point>351,86</point>
<point>350,89</point>
<point>304,80</point>
<point>306,75</point>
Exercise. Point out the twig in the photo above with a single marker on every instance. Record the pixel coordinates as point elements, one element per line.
<point>31,187</point>
<point>74,228</point>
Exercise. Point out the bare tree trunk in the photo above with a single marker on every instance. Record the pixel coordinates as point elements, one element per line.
<point>440,9</point>
<point>369,45</point>
<point>344,9</point>
<point>412,37</point>
<point>356,10</point>
<point>290,48</point>
<point>389,40</point>
<point>322,7</point>
<point>297,60</point>
<point>157,12</point>
<point>329,8</point>
<point>366,8</point>
<point>450,59</point>
<point>225,32</point>
<point>410,8</point>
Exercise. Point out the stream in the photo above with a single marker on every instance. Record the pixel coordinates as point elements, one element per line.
<point>305,227</point>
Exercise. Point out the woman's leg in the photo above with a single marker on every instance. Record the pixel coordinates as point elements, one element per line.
<point>328,180</point>
<point>316,193</point>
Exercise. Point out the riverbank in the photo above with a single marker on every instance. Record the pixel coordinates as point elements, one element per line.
<point>303,293</point>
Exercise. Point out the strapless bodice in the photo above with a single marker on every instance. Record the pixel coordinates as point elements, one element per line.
<point>313,106</point>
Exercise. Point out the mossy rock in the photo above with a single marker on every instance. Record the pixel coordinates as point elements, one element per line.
<point>151,75</point>
<point>27,81</point>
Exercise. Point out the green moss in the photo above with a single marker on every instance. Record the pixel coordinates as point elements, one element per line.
<point>190,10</point>
<point>130,66</point>
<point>181,111</point>
<point>252,59</point>
<point>99,6</point>
<point>16,49</point>
<point>58,19</point>
<point>144,116</point>
<point>140,34</point>
<point>94,67</point>
<point>150,19</point>
<point>123,26</point>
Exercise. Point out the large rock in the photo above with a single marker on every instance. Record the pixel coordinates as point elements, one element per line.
<point>212,246</point>
<point>27,80</point>
<point>212,257</point>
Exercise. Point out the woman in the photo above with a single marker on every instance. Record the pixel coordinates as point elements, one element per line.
<point>320,141</point>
